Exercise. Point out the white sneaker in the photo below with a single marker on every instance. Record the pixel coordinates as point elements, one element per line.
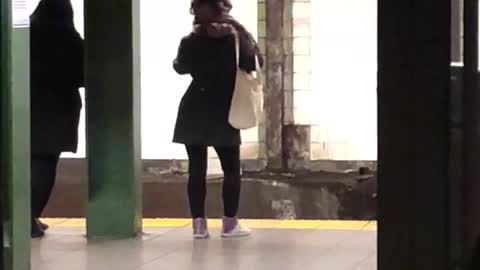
<point>200,230</point>
<point>232,228</point>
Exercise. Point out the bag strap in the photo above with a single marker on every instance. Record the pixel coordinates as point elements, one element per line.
<point>237,49</point>
<point>258,70</point>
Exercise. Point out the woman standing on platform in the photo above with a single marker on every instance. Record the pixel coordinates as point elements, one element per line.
<point>208,54</point>
<point>56,66</point>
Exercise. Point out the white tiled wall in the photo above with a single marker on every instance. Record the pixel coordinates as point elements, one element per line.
<point>302,62</point>
<point>334,76</point>
<point>162,88</point>
<point>344,57</point>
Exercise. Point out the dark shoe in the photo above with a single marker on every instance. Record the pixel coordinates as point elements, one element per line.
<point>38,234</point>
<point>42,225</point>
<point>36,230</point>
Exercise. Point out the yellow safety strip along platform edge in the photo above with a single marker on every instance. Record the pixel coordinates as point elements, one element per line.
<point>252,223</point>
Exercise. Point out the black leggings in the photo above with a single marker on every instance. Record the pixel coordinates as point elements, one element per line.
<point>43,174</point>
<point>197,180</point>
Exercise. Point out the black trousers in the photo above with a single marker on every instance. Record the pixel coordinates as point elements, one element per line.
<point>197,168</point>
<point>43,174</point>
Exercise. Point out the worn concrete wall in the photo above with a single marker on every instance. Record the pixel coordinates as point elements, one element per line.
<point>264,195</point>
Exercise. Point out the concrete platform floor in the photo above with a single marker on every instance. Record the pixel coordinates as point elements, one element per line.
<point>338,247</point>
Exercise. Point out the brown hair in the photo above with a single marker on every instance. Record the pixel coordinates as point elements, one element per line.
<point>220,6</point>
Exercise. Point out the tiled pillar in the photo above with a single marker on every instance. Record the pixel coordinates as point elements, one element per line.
<point>297,85</point>
<point>274,70</point>
<point>262,128</point>
<point>284,37</point>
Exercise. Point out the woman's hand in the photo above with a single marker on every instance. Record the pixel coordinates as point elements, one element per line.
<point>197,28</point>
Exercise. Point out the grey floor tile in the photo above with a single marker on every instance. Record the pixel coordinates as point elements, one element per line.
<point>370,263</point>
<point>355,249</point>
<point>175,249</point>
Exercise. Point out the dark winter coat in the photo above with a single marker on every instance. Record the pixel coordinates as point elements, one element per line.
<point>203,112</point>
<point>56,75</point>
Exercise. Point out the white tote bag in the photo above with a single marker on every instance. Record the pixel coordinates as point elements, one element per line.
<point>247,101</point>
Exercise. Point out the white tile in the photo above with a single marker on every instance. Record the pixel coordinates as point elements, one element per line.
<point>250,135</point>
<point>302,64</point>
<point>318,133</point>
<point>301,10</point>
<point>302,116</point>
<point>301,46</point>
<point>249,151</point>
<point>302,103</point>
<point>301,28</point>
<point>320,151</point>
<point>302,81</point>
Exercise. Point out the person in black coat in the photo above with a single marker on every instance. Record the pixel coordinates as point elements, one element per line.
<point>208,55</point>
<point>56,70</point>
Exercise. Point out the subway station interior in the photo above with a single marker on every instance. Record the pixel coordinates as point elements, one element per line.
<point>366,157</point>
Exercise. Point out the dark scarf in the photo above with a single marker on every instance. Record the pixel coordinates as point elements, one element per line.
<point>245,36</point>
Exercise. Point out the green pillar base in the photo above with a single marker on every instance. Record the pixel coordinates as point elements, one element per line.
<point>14,141</point>
<point>113,118</point>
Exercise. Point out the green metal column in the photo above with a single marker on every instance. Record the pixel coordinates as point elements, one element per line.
<point>15,135</point>
<point>112,32</point>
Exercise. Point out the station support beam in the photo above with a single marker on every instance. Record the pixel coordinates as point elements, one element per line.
<point>14,136</point>
<point>413,118</point>
<point>112,34</point>
<point>470,209</point>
